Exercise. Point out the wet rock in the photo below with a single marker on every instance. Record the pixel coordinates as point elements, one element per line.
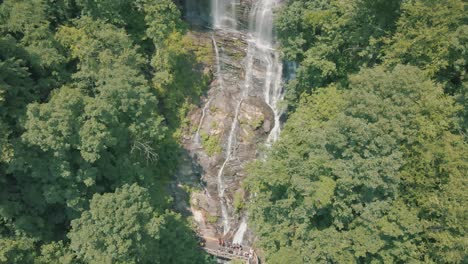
<point>252,122</point>
<point>257,112</point>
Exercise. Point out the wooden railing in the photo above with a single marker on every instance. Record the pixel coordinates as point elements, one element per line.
<point>223,254</point>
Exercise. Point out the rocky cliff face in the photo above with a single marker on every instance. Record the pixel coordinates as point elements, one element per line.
<point>207,150</point>
<point>233,121</point>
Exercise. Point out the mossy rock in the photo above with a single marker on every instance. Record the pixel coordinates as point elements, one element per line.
<point>212,219</point>
<point>211,143</point>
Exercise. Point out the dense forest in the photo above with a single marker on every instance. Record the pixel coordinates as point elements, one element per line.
<point>92,94</point>
<point>372,164</point>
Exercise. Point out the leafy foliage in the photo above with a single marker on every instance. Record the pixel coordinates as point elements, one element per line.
<point>331,39</point>
<point>123,227</point>
<point>371,164</point>
<point>352,174</point>
<point>418,40</point>
<point>16,250</point>
<point>211,143</point>
<point>82,116</point>
<point>110,110</point>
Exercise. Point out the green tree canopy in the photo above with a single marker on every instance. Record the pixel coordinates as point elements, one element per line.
<point>342,183</point>
<point>123,227</point>
<point>431,35</point>
<point>16,250</point>
<point>81,112</point>
<point>27,22</point>
<point>330,39</point>
<point>108,122</point>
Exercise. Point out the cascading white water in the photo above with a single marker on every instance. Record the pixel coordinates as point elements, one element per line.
<point>219,77</point>
<point>197,134</point>
<point>261,28</point>
<point>274,96</point>
<point>224,14</point>
<point>239,236</point>
<point>220,180</point>
<point>224,17</point>
<point>229,148</point>
<point>261,47</point>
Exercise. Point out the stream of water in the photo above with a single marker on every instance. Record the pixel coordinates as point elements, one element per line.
<point>261,50</point>
<point>261,47</point>
<point>224,14</point>
<point>220,80</point>
<point>261,30</point>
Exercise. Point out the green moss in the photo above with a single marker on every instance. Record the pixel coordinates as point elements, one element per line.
<point>203,52</point>
<point>188,188</point>
<point>212,219</point>
<point>211,143</point>
<point>182,115</point>
<point>213,109</point>
<point>238,201</point>
<point>254,123</point>
<point>237,55</point>
<point>257,122</point>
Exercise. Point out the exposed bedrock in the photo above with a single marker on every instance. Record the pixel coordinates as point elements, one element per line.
<point>235,118</point>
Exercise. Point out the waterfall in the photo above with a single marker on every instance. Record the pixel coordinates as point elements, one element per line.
<point>261,30</point>
<point>273,94</point>
<point>224,14</point>
<point>261,47</point>
<point>219,77</point>
<point>224,17</point>
<point>261,51</point>
<point>229,149</point>
<point>197,134</point>
<point>220,181</point>
<point>239,236</point>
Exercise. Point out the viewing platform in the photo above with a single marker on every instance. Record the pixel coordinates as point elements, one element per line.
<point>212,247</point>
